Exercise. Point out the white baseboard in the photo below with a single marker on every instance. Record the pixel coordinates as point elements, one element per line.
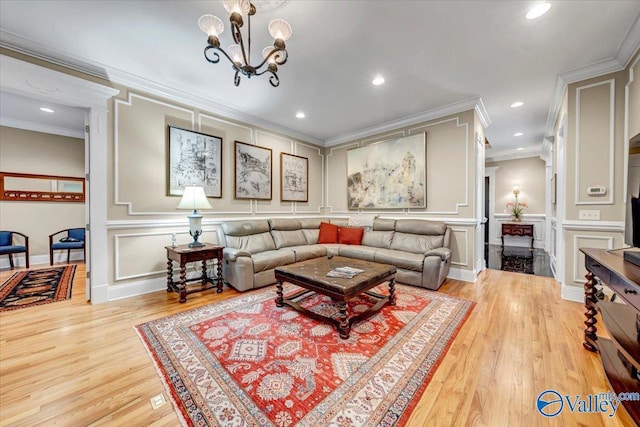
<point>573,293</point>
<point>462,274</point>
<point>139,287</point>
<point>38,260</point>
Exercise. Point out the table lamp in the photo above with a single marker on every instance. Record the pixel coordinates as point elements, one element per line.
<point>194,198</point>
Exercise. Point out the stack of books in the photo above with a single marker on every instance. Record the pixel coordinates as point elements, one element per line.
<point>344,272</point>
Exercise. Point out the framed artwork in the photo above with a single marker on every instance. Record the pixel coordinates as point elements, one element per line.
<point>294,178</point>
<point>194,159</point>
<point>388,175</point>
<point>253,171</point>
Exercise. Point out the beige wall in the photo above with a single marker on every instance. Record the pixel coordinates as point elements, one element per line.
<point>634,98</point>
<point>44,154</point>
<point>529,175</point>
<point>143,218</point>
<point>450,171</point>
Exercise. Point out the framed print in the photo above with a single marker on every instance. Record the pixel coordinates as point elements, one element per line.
<point>294,178</point>
<point>194,159</point>
<point>253,171</point>
<point>388,175</point>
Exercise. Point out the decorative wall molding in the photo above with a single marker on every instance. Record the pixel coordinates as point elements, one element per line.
<point>604,226</point>
<point>465,261</point>
<point>612,102</point>
<point>576,260</point>
<point>41,127</point>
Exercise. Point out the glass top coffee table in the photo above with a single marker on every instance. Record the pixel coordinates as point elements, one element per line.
<point>312,276</point>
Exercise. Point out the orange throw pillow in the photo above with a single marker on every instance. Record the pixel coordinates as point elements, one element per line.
<point>328,233</point>
<point>350,235</point>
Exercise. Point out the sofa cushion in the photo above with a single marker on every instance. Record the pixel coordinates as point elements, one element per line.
<point>421,226</point>
<point>310,222</point>
<point>359,252</point>
<point>328,233</point>
<point>284,224</point>
<point>285,238</point>
<point>268,260</point>
<point>311,235</point>
<point>384,224</point>
<point>305,252</point>
<point>340,222</point>
<point>377,239</point>
<point>400,259</point>
<point>254,243</point>
<point>350,235</point>
<point>245,228</point>
<point>416,243</point>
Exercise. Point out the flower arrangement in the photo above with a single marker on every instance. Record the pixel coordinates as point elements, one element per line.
<point>517,207</point>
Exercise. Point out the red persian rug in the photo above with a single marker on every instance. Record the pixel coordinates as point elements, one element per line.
<point>244,361</point>
<point>35,287</point>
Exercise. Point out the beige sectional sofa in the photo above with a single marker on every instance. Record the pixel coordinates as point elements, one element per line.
<point>253,249</point>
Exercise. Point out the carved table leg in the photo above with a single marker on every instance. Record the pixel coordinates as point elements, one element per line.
<point>219,273</point>
<point>169,275</point>
<point>279,293</point>
<point>392,292</point>
<point>204,273</point>
<point>344,328</point>
<point>590,299</point>
<point>183,283</point>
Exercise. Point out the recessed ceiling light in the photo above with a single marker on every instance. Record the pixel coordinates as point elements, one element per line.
<point>538,10</point>
<point>300,115</point>
<point>518,134</point>
<point>517,104</point>
<point>378,80</point>
<point>46,109</point>
<point>519,149</point>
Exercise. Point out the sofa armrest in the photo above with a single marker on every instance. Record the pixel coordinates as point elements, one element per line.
<point>232,254</point>
<point>443,253</point>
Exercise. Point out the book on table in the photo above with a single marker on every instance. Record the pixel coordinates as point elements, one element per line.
<point>344,272</point>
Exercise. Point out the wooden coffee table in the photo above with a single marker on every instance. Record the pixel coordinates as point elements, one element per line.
<point>312,276</point>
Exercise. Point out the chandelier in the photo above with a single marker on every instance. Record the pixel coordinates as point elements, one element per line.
<point>239,54</point>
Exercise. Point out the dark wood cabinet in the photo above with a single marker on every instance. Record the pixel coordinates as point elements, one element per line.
<point>620,355</point>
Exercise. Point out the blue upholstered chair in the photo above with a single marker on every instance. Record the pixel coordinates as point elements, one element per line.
<point>73,240</point>
<point>8,246</point>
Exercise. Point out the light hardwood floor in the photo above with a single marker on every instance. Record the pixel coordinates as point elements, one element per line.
<point>75,364</point>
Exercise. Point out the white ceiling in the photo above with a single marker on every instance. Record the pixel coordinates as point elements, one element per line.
<point>433,54</point>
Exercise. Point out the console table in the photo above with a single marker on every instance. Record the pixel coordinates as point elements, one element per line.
<point>620,355</point>
<point>183,254</point>
<point>517,229</point>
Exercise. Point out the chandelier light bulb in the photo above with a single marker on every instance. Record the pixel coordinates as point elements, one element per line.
<point>538,10</point>
<point>211,25</point>
<point>280,29</point>
<point>235,52</point>
<point>237,6</point>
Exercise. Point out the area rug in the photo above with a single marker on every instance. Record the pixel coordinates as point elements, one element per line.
<point>35,287</point>
<point>244,361</point>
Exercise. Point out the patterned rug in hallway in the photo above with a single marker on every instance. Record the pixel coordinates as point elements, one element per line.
<point>244,361</point>
<point>35,287</point>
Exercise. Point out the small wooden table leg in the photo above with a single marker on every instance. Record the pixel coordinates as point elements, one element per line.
<point>169,276</point>
<point>279,294</point>
<point>344,328</point>
<point>392,292</point>
<point>219,279</point>
<point>590,299</point>
<point>204,273</point>
<point>183,283</point>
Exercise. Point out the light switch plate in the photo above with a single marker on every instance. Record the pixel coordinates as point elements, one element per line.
<point>589,215</point>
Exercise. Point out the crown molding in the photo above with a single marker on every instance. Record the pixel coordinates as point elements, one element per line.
<point>630,44</point>
<point>503,155</point>
<point>39,127</point>
<point>179,93</point>
<point>436,113</point>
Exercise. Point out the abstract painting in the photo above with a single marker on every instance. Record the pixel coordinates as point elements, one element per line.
<point>388,175</point>
<point>294,176</point>
<point>253,172</point>
<point>194,159</point>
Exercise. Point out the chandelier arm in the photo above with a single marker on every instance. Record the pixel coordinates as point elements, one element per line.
<point>277,61</point>
<point>274,80</point>
<point>237,37</point>
<point>215,61</point>
<point>236,79</point>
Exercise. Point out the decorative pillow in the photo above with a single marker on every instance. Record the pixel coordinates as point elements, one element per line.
<point>350,235</point>
<point>328,233</point>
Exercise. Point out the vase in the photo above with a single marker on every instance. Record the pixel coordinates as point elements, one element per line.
<point>516,219</point>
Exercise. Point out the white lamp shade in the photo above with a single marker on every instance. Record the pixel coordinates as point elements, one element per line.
<point>237,6</point>
<point>235,52</point>
<point>194,198</point>
<point>280,29</point>
<point>211,25</point>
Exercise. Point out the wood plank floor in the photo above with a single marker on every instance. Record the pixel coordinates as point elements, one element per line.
<point>75,364</point>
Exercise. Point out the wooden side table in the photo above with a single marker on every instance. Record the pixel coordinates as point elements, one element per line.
<point>183,254</point>
<point>517,229</point>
